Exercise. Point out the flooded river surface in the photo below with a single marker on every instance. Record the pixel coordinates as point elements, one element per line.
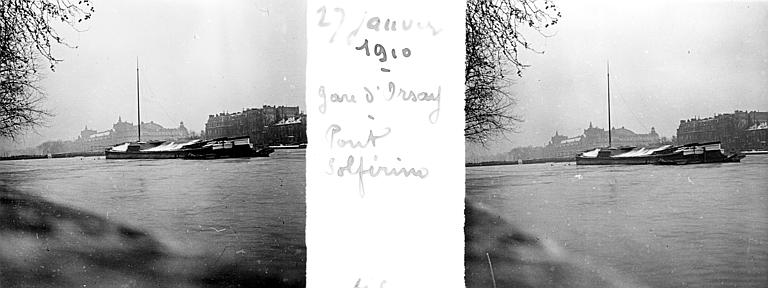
<point>688,226</point>
<point>250,210</point>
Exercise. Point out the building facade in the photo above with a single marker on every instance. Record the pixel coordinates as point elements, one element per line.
<point>288,131</point>
<point>121,132</point>
<point>593,137</point>
<point>736,131</point>
<point>757,137</point>
<point>268,125</point>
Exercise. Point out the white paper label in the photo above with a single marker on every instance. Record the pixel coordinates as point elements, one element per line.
<point>385,162</point>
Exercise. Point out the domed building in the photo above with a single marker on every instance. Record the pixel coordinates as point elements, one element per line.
<point>593,137</point>
<point>121,132</point>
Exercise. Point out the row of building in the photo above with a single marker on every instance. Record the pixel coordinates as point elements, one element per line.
<point>268,125</point>
<point>284,125</point>
<point>738,131</point>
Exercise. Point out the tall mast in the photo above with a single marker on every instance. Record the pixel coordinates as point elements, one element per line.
<point>138,103</point>
<point>608,75</point>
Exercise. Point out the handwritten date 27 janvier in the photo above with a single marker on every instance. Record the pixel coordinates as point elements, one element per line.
<point>336,19</point>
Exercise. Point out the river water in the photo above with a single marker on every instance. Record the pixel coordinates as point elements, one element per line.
<point>250,210</point>
<point>696,226</point>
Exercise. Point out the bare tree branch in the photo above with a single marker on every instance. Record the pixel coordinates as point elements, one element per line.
<point>26,35</point>
<point>494,37</point>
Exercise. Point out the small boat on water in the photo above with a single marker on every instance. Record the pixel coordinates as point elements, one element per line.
<point>693,153</point>
<point>195,149</point>
<point>696,153</point>
<point>619,156</point>
<point>227,148</point>
<point>148,150</point>
<point>615,155</point>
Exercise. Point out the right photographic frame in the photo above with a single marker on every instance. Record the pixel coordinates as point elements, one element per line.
<point>616,143</point>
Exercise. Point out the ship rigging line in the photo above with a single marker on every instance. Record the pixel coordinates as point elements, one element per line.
<point>148,88</point>
<point>632,112</point>
<point>608,76</point>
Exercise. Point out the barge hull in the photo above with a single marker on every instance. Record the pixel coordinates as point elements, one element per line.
<point>146,155</point>
<point>616,161</point>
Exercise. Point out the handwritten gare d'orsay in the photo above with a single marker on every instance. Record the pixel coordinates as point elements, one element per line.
<point>338,137</point>
<point>391,93</point>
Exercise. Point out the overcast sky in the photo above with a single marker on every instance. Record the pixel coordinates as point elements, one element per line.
<point>669,61</point>
<point>196,58</point>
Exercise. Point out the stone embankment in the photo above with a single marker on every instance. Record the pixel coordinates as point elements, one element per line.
<point>57,155</point>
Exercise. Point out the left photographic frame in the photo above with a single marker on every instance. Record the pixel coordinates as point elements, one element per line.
<point>172,150</point>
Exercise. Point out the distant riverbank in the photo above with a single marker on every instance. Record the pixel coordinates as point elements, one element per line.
<point>56,155</point>
<point>528,161</point>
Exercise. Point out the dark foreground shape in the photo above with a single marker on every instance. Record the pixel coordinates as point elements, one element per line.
<point>43,244</point>
<point>497,254</point>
